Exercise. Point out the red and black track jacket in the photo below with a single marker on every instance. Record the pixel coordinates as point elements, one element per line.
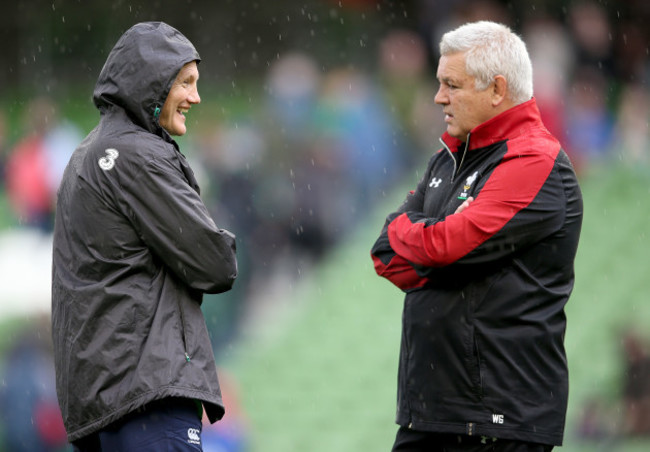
<point>483,324</point>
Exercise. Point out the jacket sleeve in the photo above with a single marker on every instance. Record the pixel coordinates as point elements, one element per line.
<point>387,263</point>
<point>522,202</point>
<point>176,226</point>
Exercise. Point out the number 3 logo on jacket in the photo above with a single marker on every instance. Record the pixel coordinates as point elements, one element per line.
<point>108,162</point>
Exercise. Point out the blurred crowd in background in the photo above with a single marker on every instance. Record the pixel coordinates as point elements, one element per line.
<point>305,162</point>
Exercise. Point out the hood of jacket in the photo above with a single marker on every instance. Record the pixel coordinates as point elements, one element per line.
<point>140,70</point>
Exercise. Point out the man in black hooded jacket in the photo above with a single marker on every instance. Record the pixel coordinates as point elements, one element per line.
<point>134,250</point>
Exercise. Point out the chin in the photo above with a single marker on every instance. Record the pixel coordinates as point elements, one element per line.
<point>180,129</point>
<point>177,131</point>
<point>452,133</point>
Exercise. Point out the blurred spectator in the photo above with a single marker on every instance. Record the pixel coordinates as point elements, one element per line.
<point>592,34</point>
<point>365,143</point>
<point>636,385</point>
<point>4,145</point>
<point>474,10</point>
<point>29,411</point>
<point>26,178</point>
<point>633,133</point>
<point>35,165</point>
<point>549,46</point>
<point>597,423</point>
<point>589,122</point>
<point>630,53</point>
<point>292,93</point>
<point>230,159</point>
<point>232,433</point>
<point>438,16</point>
<point>409,90</point>
<point>282,198</point>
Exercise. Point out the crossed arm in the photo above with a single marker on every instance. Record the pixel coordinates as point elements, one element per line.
<point>521,202</point>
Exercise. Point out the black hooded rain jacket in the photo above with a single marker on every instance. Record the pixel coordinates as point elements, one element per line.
<point>134,250</point>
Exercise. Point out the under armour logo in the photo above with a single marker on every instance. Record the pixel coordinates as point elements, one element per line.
<point>193,436</point>
<point>435,182</point>
<point>108,162</point>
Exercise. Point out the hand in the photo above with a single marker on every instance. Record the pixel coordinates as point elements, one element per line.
<point>464,205</point>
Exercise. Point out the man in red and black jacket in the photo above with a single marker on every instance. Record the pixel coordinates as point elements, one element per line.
<point>484,249</point>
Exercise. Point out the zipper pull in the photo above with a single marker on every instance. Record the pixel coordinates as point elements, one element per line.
<point>187,357</point>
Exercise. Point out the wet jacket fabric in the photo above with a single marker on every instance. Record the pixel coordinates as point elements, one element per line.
<point>483,321</point>
<point>134,251</point>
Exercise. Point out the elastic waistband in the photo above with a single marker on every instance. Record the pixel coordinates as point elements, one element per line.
<point>167,403</point>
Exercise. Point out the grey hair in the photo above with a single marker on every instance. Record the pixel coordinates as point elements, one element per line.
<point>492,49</point>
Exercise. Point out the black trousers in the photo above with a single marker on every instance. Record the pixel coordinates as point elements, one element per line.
<point>417,441</point>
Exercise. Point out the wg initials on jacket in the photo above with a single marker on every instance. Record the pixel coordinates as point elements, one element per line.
<point>484,249</point>
<point>134,250</point>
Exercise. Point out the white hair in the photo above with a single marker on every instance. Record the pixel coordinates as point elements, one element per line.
<point>492,49</point>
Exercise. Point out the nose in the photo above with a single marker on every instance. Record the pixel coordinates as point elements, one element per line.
<point>441,96</point>
<point>194,97</point>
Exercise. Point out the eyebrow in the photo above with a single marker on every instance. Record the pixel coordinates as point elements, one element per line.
<point>448,80</point>
<point>188,74</point>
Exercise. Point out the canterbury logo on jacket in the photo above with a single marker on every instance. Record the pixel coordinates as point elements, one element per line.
<point>483,324</point>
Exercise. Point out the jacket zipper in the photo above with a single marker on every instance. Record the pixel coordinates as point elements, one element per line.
<point>406,371</point>
<point>453,174</point>
<point>187,356</point>
<point>478,362</point>
<point>457,167</point>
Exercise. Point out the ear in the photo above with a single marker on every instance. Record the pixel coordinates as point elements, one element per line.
<point>499,90</point>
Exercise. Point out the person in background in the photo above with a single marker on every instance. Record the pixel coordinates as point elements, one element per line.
<point>635,385</point>
<point>30,419</point>
<point>484,249</point>
<point>35,164</point>
<point>134,251</point>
